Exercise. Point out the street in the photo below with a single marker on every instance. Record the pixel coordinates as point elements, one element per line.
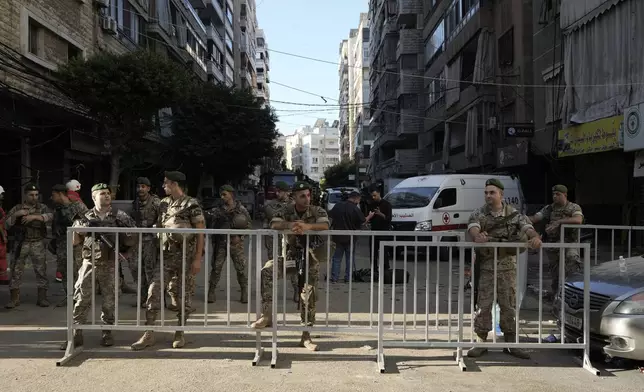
<point>31,337</point>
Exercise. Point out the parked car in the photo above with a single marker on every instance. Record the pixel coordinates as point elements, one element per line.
<point>616,308</point>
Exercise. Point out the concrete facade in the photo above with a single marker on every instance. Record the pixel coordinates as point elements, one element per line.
<point>263,67</point>
<point>343,86</point>
<point>313,149</point>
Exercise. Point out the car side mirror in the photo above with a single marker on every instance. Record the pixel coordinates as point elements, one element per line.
<point>438,203</point>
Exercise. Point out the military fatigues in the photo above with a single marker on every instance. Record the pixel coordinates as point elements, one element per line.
<point>506,226</point>
<point>317,254</point>
<point>64,217</point>
<point>32,247</point>
<point>103,264</point>
<point>226,218</point>
<point>271,209</point>
<point>146,214</point>
<point>553,213</point>
<point>184,212</point>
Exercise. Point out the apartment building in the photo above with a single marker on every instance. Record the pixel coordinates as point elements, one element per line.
<point>312,149</point>
<point>343,100</point>
<point>246,44</point>
<point>262,65</point>
<point>219,19</point>
<point>396,87</point>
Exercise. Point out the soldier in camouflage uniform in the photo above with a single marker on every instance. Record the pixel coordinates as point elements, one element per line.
<point>99,255</point>
<point>273,207</point>
<point>226,216</point>
<point>145,212</point>
<point>31,219</point>
<point>66,212</point>
<point>498,222</point>
<point>560,212</point>
<point>177,210</point>
<point>298,218</point>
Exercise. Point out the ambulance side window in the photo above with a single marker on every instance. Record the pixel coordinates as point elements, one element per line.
<point>447,197</point>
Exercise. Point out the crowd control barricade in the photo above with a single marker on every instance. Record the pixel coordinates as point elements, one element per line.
<point>458,338</point>
<point>350,307</point>
<point>622,240</point>
<point>208,320</point>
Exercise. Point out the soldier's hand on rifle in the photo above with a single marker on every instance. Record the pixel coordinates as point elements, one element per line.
<point>481,237</point>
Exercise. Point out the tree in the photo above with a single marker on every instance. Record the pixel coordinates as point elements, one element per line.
<point>338,175</point>
<point>124,93</point>
<point>223,131</point>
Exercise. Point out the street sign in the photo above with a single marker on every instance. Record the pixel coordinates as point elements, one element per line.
<point>519,130</point>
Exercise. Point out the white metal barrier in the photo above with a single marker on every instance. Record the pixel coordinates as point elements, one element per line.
<point>459,342</point>
<point>254,263</point>
<point>626,244</point>
<point>352,323</point>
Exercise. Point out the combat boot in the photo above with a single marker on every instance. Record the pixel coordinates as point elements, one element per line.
<point>515,352</point>
<point>307,343</point>
<point>62,303</point>
<point>15,299</point>
<point>179,340</point>
<point>211,295</point>
<point>106,339</point>
<point>263,322</point>
<point>244,294</point>
<point>173,305</point>
<point>42,298</point>
<point>147,339</point>
<point>478,351</point>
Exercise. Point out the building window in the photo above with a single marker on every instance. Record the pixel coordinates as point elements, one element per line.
<point>229,43</point>
<point>447,197</point>
<point>437,89</point>
<point>434,44</point>
<point>45,46</point>
<point>439,139</point>
<point>116,11</point>
<point>506,48</point>
<point>35,32</point>
<point>553,96</point>
<point>315,160</point>
<point>229,15</point>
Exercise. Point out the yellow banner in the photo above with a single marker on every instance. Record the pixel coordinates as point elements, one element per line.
<point>597,136</point>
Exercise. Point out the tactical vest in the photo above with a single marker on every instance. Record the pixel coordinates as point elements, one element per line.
<point>502,229</point>
<point>35,230</point>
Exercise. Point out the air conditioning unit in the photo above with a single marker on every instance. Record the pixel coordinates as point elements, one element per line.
<point>173,31</point>
<point>102,3</point>
<point>113,26</point>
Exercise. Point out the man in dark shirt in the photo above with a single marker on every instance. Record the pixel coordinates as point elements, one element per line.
<point>346,215</point>
<point>381,222</point>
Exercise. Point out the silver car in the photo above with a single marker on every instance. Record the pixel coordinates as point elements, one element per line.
<point>616,308</point>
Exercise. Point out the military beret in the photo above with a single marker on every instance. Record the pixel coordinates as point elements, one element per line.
<point>301,185</point>
<point>31,187</point>
<point>560,188</point>
<point>226,188</point>
<point>495,182</point>
<point>59,188</point>
<point>100,187</point>
<point>143,181</point>
<point>175,176</point>
<point>282,186</point>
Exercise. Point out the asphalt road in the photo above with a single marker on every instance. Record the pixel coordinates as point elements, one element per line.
<point>30,336</point>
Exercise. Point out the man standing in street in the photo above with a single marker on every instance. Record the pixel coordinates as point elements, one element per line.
<point>346,215</point>
<point>298,218</point>
<point>271,209</point>
<point>381,221</point>
<point>145,212</point>
<point>4,240</point>
<point>231,215</point>
<point>30,220</point>
<point>65,214</point>
<point>497,221</point>
<point>560,212</point>
<point>176,211</point>
<point>99,253</point>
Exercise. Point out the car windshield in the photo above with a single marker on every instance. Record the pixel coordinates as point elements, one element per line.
<point>289,179</point>
<point>335,197</point>
<point>410,197</point>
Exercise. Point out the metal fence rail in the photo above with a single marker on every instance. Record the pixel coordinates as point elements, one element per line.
<point>253,259</point>
<point>459,342</point>
<point>594,238</point>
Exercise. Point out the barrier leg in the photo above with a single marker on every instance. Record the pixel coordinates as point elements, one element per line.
<point>274,302</point>
<point>381,319</point>
<point>586,364</point>
<point>461,300</point>
<point>70,350</point>
<point>259,350</point>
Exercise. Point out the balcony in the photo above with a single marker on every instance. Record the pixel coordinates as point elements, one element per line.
<point>216,70</point>
<point>411,122</point>
<point>410,7</point>
<point>410,82</point>
<point>198,4</point>
<point>410,41</point>
<point>261,77</point>
<point>212,33</point>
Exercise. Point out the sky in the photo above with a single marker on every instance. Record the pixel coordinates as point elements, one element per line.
<point>306,28</point>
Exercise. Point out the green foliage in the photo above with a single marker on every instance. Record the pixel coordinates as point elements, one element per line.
<point>124,92</point>
<point>338,175</point>
<point>223,131</point>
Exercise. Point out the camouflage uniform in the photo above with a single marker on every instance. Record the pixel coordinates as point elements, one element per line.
<point>103,265</point>
<point>317,254</point>
<point>64,217</point>
<point>553,213</point>
<point>146,214</point>
<point>184,212</point>
<point>32,247</point>
<point>271,209</point>
<point>506,226</point>
<point>226,217</point>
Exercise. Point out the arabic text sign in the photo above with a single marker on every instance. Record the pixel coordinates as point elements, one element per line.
<point>597,136</point>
